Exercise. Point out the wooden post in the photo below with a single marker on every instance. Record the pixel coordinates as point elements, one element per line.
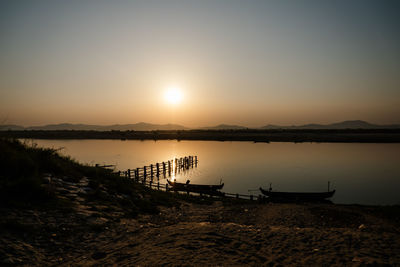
<point>166,187</point>
<point>151,171</point>
<point>158,170</point>
<point>169,168</point>
<point>195,160</point>
<point>144,172</point>
<point>151,183</point>
<point>119,173</point>
<point>129,173</point>
<point>137,174</point>
<point>237,196</point>
<point>163,164</point>
<point>158,185</point>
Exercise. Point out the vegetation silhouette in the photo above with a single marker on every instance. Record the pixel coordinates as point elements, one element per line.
<point>271,135</point>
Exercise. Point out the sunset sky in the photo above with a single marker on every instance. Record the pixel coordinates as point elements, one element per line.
<point>250,63</point>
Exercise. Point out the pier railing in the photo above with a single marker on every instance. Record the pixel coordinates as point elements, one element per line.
<point>165,187</point>
<point>149,176</point>
<point>160,169</point>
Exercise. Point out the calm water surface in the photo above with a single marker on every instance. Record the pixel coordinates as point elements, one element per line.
<point>361,173</point>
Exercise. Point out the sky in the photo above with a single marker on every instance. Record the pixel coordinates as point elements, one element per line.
<point>249,63</point>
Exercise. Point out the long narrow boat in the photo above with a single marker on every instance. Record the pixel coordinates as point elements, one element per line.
<point>194,187</point>
<point>310,196</point>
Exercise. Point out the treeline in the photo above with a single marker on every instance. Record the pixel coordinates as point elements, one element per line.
<point>271,135</point>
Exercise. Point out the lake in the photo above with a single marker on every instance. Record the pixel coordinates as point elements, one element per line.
<point>360,173</point>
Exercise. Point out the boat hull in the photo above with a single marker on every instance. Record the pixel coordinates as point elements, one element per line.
<point>198,188</point>
<point>309,196</point>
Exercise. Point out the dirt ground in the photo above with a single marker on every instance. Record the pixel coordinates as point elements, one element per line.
<point>212,235</point>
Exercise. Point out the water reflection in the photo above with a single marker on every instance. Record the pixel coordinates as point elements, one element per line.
<point>361,173</point>
<point>173,174</point>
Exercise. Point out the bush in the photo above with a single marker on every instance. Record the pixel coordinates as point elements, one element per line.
<point>20,182</point>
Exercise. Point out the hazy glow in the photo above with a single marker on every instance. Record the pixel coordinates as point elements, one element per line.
<point>173,95</point>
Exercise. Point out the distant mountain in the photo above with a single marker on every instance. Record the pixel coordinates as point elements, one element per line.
<point>65,126</point>
<point>11,127</point>
<point>355,124</point>
<point>141,126</point>
<point>224,127</point>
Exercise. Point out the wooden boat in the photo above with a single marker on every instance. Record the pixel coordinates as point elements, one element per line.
<point>199,188</point>
<point>310,196</point>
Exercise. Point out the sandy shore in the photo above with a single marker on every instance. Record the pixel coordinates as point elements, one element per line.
<point>216,235</point>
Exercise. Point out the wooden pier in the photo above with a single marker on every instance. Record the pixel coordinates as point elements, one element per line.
<point>163,169</point>
<point>150,176</point>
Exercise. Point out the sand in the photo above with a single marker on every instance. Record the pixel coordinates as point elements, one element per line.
<point>210,235</point>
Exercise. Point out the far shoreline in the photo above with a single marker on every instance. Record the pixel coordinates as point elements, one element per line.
<point>251,135</point>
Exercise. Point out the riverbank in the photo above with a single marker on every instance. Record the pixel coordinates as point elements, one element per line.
<point>56,211</point>
<point>215,234</point>
<point>277,135</point>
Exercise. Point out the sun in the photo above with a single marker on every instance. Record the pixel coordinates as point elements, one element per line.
<point>173,95</point>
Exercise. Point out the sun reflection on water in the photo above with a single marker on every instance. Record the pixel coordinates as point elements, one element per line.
<point>173,172</point>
